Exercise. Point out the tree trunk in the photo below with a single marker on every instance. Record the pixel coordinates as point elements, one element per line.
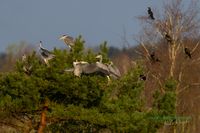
<point>43,118</point>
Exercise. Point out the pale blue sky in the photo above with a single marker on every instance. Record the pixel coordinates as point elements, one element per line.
<point>46,20</point>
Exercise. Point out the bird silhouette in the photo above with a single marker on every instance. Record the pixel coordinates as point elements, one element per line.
<point>150,13</point>
<point>168,38</point>
<point>154,58</point>
<point>188,53</point>
<point>142,77</point>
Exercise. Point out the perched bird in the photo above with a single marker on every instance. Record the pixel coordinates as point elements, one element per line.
<point>26,65</point>
<point>188,53</point>
<point>113,70</point>
<point>46,55</point>
<point>24,57</point>
<point>99,57</point>
<point>68,40</point>
<point>151,16</point>
<point>77,67</point>
<point>168,38</point>
<point>153,57</point>
<point>142,77</point>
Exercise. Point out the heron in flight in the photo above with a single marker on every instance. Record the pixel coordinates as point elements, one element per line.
<point>68,40</point>
<point>93,68</point>
<point>150,13</point>
<point>46,54</point>
<point>82,67</point>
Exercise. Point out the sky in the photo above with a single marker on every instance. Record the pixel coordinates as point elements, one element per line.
<point>46,20</point>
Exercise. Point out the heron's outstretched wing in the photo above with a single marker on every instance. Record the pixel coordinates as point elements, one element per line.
<point>114,71</point>
<point>94,68</point>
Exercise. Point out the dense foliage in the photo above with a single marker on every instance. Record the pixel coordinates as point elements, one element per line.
<point>76,104</point>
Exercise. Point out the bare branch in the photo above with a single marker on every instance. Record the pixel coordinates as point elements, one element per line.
<point>184,88</point>
<point>195,47</point>
<point>146,54</point>
<point>160,83</point>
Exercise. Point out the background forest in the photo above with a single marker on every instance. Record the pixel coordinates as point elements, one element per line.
<point>157,92</point>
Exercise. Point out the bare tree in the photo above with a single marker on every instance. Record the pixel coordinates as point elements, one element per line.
<point>170,46</point>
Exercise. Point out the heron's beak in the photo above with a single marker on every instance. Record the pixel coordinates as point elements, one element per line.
<point>62,37</point>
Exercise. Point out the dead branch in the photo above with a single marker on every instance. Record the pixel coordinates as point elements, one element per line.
<point>195,47</point>
<point>160,83</point>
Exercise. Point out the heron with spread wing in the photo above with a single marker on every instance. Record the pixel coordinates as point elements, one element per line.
<point>113,70</point>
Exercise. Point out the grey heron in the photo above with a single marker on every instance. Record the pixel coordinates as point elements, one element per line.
<point>86,68</point>
<point>82,67</point>
<point>187,52</point>
<point>68,40</point>
<point>26,66</point>
<point>113,70</point>
<point>99,56</point>
<point>150,13</point>
<point>77,69</point>
<point>24,57</point>
<point>46,54</point>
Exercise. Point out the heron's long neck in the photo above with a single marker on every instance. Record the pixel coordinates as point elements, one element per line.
<point>100,59</point>
<point>41,46</point>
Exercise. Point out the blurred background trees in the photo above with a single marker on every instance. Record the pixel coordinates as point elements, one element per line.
<point>168,90</point>
<point>169,45</point>
<point>71,104</point>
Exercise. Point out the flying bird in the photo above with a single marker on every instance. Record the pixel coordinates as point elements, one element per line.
<point>46,54</point>
<point>188,53</point>
<point>82,67</point>
<point>68,40</point>
<point>86,68</point>
<point>150,13</point>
